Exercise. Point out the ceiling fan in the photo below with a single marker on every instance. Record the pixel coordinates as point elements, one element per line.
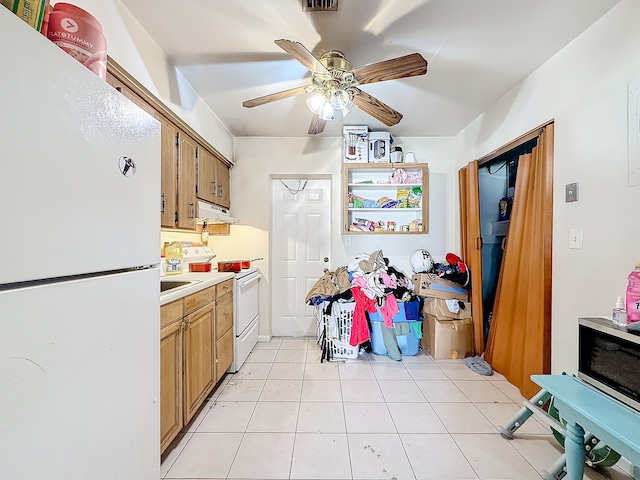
<point>335,83</point>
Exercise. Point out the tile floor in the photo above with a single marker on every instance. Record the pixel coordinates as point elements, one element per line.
<point>285,415</point>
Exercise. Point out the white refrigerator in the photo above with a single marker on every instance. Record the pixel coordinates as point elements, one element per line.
<point>79,278</point>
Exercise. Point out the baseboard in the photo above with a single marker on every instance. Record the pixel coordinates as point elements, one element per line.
<point>264,338</point>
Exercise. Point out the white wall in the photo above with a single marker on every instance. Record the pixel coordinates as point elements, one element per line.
<point>130,46</point>
<point>584,88</point>
<point>257,159</point>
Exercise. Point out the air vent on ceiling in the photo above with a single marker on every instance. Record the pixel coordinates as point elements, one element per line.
<point>319,5</point>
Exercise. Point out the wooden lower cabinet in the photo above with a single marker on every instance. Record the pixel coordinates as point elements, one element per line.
<point>196,349</point>
<point>171,344</point>
<point>199,366</point>
<point>170,383</point>
<point>224,327</point>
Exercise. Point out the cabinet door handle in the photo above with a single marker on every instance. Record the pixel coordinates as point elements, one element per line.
<point>504,243</point>
<point>192,212</point>
<point>479,243</point>
<point>220,190</point>
<point>162,203</point>
<point>213,188</point>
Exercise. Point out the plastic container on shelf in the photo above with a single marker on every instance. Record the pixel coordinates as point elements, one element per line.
<point>79,33</point>
<point>619,316</point>
<point>633,295</point>
<point>163,266</point>
<point>173,254</point>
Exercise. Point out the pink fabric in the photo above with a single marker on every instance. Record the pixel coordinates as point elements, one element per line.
<point>388,280</point>
<point>389,310</point>
<point>359,328</point>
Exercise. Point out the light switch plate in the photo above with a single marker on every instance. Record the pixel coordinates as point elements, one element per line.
<point>571,191</point>
<point>575,238</point>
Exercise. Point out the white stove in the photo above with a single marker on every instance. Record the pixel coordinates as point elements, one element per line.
<point>246,304</point>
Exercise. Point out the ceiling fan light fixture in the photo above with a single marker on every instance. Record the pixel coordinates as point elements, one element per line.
<point>316,103</point>
<point>327,112</point>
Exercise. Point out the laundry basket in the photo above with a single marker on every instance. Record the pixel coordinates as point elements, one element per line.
<point>337,330</point>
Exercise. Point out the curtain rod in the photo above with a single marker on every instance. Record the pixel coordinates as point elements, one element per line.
<point>531,134</point>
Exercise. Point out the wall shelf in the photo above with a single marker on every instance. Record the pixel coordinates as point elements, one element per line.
<point>360,220</point>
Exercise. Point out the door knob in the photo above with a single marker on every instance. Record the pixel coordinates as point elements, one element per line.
<point>326,259</point>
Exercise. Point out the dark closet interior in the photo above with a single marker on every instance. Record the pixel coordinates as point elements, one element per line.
<point>496,182</point>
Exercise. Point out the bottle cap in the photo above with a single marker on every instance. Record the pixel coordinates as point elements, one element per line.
<point>620,303</point>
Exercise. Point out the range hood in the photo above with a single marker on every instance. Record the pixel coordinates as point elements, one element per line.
<point>213,214</point>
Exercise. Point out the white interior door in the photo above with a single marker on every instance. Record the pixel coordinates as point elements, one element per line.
<point>301,247</point>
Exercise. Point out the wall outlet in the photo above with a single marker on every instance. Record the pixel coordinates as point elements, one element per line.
<point>571,192</point>
<point>575,238</point>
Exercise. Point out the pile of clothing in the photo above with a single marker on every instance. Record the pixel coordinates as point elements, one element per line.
<point>371,283</point>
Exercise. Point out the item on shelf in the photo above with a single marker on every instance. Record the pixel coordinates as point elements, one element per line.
<point>633,295</point>
<point>79,33</point>
<point>415,226</point>
<point>415,196</point>
<point>379,147</point>
<point>410,157</point>
<point>402,197</point>
<point>391,226</point>
<point>355,139</point>
<point>33,12</point>
<point>396,154</point>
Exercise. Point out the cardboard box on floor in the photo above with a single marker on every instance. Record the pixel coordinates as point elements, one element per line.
<point>439,309</point>
<point>444,335</point>
<point>431,285</point>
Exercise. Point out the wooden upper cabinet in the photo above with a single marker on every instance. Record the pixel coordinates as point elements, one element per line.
<point>191,168</point>
<point>187,152</point>
<point>213,179</point>
<point>207,183</point>
<point>222,189</point>
<point>169,174</point>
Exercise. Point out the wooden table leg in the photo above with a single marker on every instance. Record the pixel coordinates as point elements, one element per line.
<point>574,449</point>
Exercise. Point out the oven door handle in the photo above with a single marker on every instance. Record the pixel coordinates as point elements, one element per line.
<point>251,280</point>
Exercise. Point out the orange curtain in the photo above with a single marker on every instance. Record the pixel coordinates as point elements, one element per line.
<point>471,244</point>
<point>519,343</point>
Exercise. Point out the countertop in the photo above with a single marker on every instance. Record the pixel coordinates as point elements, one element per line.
<point>202,279</point>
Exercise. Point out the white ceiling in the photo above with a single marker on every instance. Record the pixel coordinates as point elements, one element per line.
<point>477,51</point>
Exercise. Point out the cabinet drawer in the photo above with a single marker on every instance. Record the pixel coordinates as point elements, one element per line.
<point>170,313</point>
<point>224,288</point>
<point>224,315</point>
<point>196,300</point>
<point>224,349</point>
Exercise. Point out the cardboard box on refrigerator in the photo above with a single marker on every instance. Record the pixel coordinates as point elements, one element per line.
<point>379,147</point>
<point>444,339</point>
<point>356,146</point>
<point>431,285</point>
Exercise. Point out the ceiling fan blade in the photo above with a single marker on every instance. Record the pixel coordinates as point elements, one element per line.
<point>400,67</point>
<point>301,54</point>
<point>292,92</point>
<point>376,108</point>
<point>316,126</point>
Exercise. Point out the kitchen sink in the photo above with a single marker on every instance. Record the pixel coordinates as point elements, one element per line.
<point>166,285</point>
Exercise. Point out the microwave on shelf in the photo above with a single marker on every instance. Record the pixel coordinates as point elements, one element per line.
<point>609,358</point>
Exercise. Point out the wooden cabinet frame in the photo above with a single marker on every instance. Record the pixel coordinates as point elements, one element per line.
<point>353,173</point>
